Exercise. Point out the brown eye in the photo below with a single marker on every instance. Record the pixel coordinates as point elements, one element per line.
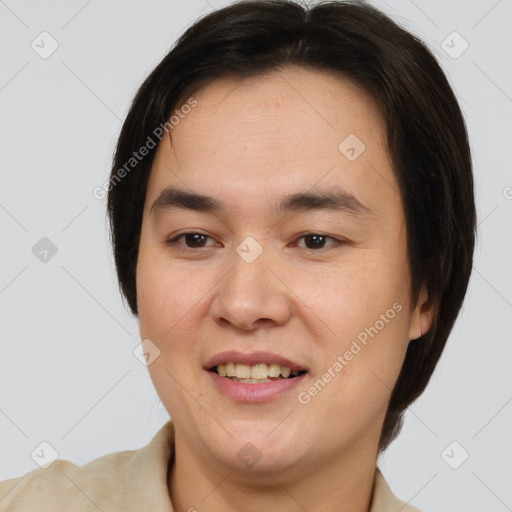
<point>317,241</point>
<point>192,240</point>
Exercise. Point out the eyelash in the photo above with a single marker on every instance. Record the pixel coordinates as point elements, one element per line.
<point>174,240</point>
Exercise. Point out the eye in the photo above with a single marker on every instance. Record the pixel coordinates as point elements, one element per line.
<point>195,239</point>
<point>317,241</point>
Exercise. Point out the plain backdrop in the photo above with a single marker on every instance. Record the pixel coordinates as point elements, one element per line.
<point>68,375</point>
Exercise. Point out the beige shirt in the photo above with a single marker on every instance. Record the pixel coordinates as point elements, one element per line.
<point>128,481</point>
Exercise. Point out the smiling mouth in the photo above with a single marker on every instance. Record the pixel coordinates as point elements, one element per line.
<point>255,374</point>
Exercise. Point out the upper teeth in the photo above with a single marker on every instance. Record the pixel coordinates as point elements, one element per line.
<point>258,371</point>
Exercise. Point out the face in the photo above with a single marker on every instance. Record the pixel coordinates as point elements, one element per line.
<point>319,283</point>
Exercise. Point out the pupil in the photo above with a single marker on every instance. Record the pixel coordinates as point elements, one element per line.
<point>317,238</point>
<point>196,238</point>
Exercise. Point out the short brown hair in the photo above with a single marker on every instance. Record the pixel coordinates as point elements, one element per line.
<point>426,137</point>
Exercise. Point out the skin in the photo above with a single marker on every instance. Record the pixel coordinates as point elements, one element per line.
<point>249,142</point>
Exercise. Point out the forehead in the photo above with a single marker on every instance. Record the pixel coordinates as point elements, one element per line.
<point>289,104</point>
<point>259,136</point>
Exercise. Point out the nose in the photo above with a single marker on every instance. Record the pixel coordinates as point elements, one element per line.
<point>252,295</point>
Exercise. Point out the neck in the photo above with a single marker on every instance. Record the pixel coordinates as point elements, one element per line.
<point>343,484</point>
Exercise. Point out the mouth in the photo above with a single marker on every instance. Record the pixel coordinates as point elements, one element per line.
<point>244,375</point>
<point>257,373</point>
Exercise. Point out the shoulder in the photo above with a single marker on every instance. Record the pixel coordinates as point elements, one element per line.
<point>123,480</point>
<point>64,484</point>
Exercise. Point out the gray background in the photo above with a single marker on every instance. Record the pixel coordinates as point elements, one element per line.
<point>68,375</point>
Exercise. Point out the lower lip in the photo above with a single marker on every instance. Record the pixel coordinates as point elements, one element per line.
<point>244,392</point>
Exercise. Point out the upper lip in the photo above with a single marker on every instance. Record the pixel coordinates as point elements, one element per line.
<point>251,359</point>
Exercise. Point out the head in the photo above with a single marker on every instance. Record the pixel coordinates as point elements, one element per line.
<point>257,102</point>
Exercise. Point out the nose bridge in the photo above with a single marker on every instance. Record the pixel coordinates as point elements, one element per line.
<point>250,292</point>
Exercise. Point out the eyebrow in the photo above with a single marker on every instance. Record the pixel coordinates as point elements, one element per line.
<point>334,200</point>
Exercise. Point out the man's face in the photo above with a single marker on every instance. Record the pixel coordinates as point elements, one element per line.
<point>325,287</point>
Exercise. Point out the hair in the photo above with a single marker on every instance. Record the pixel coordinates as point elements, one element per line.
<point>426,139</point>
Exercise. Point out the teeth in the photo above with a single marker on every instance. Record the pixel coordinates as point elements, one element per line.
<point>274,370</point>
<point>243,371</point>
<point>258,372</point>
<point>231,370</point>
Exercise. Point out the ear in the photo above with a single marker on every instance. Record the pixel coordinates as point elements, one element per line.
<point>421,318</point>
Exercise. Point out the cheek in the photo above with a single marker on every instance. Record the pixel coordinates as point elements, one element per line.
<point>172,304</point>
<point>365,320</point>
<point>166,297</point>
<point>352,296</point>
<point>360,356</point>
<point>162,297</point>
